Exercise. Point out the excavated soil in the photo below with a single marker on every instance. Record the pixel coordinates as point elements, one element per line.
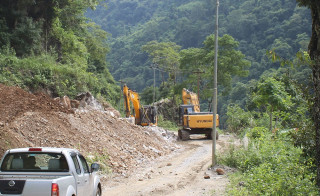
<point>141,160</point>
<point>29,120</point>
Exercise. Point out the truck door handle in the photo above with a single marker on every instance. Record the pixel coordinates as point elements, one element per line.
<point>78,182</point>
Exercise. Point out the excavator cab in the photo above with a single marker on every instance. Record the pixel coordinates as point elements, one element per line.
<point>185,110</point>
<point>148,115</point>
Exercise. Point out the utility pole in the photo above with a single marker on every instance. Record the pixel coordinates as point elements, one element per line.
<point>154,85</point>
<point>215,88</point>
<point>121,82</point>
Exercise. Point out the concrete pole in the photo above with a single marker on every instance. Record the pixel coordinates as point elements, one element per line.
<point>215,89</point>
<point>154,85</point>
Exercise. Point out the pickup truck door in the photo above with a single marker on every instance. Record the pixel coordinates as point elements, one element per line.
<point>81,178</point>
<point>86,176</point>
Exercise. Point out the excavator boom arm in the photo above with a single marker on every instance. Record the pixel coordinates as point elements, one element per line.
<point>134,96</point>
<point>126,95</point>
<point>190,98</point>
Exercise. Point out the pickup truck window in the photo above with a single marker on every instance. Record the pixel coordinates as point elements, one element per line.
<point>76,163</point>
<point>84,164</point>
<point>35,162</point>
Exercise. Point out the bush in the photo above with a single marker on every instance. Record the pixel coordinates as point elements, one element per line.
<point>102,159</point>
<point>42,72</point>
<point>238,119</point>
<point>270,166</point>
<point>257,133</point>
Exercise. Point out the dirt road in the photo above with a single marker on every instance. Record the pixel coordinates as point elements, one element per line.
<point>181,173</point>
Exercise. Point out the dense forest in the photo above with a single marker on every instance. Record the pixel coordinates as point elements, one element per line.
<point>50,46</point>
<point>255,25</point>
<point>268,70</point>
<point>253,28</point>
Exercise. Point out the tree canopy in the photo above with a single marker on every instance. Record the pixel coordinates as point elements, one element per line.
<point>255,25</point>
<point>231,63</point>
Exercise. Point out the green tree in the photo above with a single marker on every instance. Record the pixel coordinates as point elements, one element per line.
<point>231,63</point>
<point>282,48</point>
<point>27,37</point>
<point>238,119</point>
<point>164,56</point>
<point>97,47</point>
<point>272,96</point>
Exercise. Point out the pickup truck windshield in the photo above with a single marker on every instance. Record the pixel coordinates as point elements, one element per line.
<point>35,162</point>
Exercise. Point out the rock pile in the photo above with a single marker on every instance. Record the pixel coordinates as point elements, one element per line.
<point>28,120</point>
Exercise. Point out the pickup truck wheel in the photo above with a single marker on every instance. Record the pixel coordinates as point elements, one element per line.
<point>98,193</point>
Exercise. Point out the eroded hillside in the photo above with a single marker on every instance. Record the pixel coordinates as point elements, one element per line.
<point>28,120</point>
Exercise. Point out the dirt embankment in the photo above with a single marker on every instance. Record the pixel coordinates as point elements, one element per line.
<point>28,120</point>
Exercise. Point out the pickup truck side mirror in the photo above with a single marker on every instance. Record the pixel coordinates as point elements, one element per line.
<point>95,167</point>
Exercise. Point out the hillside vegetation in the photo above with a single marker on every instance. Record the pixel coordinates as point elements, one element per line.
<point>256,25</point>
<point>50,46</point>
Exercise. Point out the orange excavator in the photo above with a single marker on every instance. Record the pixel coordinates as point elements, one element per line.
<point>192,120</point>
<point>144,115</point>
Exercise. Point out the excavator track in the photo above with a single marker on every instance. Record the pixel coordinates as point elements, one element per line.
<point>209,136</point>
<point>183,135</point>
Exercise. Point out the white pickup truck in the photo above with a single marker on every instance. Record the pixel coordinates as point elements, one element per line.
<point>47,172</point>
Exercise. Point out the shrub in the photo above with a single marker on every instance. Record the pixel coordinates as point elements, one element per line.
<point>269,166</point>
<point>102,159</point>
<point>36,73</point>
<point>238,119</point>
<point>257,133</point>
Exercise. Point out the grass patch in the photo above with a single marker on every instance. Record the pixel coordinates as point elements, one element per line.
<point>102,159</point>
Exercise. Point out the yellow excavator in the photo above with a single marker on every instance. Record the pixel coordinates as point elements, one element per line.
<point>144,115</point>
<point>192,120</point>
